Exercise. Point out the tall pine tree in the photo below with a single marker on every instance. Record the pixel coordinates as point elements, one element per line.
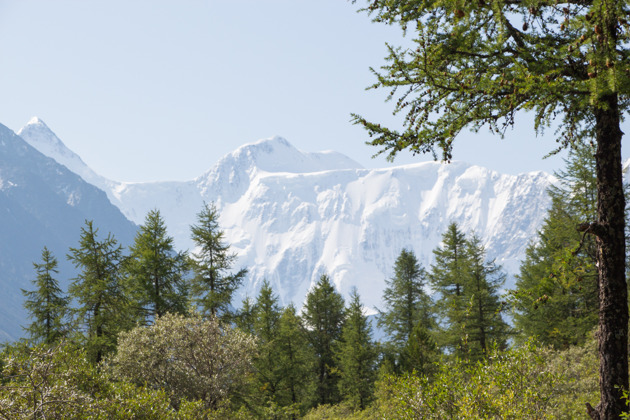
<point>448,276</point>
<point>296,360</point>
<point>324,315</point>
<point>556,294</point>
<point>356,355</point>
<point>102,304</point>
<point>268,372</point>
<point>467,296</point>
<point>213,285</point>
<point>47,305</point>
<point>407,305</point>
<point>157,272</point>
<point>484,325</point>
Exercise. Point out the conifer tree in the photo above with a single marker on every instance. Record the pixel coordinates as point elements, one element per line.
<point>47,305</point>
<point>405,300</point>
<point>448,275</point>
<point>213,285</point>
<point>484,326</point>
<point>324,315</point>
<point>406,304</point>
<point>296,360</point>
<point>467,287</point>
<point>268,371</point>
<point>102,304</point>
<point>156,271</point>
<point>244,318</point>
<point>556,294</point>
<point>356,355</point>
<point>479,64</point>
<point>420,353</point>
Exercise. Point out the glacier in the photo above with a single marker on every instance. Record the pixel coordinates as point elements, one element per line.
<point>290,215</point>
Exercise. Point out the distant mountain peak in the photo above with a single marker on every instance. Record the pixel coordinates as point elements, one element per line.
<point>276,154</point>
<point>37,134</point>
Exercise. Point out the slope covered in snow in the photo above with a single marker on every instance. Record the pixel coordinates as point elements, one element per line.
<point>292,215</point>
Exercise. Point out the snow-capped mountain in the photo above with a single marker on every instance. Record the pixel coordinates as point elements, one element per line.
<point>42,203</point>
<point>292,216</point>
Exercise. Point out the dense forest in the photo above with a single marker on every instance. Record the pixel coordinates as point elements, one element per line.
<point>150,332</point>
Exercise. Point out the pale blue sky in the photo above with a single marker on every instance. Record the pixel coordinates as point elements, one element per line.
<point>160,90</point>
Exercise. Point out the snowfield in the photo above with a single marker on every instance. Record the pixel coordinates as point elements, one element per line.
<point>291,215</point>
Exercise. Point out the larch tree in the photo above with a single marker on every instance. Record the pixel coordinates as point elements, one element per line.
<point>447,277</point>
<point>213,284</point>
<point>556,296</point>
<point>267,370</point>
<point>156,272</point>
<point>296,360</point>
<point>484,324</point>
<point>478,64</point>
<point>323,316</point>
<point>407,305</point>
<point>356,355</point>
<point>47,305</point>
<point>98,289</point>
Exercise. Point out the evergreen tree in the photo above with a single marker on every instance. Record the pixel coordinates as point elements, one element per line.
<point>324,315</point>
<point>156,271</point>
<point>103,307</point>
<point>296,360</point>
<point>484,326</point>
<point>556,294</point>
<point>356,355</point>
<point>406,305</point>
<point>448,275</point>
<point>467,287</point>
<point>405,300</point>
<point>420,353</point>
<point>244,318</point>
<point>213,285</point>
<point>474,65</point>
<point>268,371</point>
<point>46,304</point>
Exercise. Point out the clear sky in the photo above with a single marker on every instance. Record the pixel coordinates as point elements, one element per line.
<point>150,90</point>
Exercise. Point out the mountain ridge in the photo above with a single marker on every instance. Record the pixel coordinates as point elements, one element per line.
<point>292,215</point>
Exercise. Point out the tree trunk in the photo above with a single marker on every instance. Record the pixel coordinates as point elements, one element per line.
<point>611,252</point>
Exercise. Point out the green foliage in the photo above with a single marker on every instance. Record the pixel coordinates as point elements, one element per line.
<point>296,360</point>
<point>244,318</point>
<point>356,355</point>
<point>268,373</point>
<point>323,316</point>
<point>556,295</point>
<point>213,285</point>
<point>156,272</point>
<point>448,277</point>
<point>578,367</point>
<point>58,382</point>
<point>476,64</point>
<point>406,303</point>
<point>189,357</point>
<point>468,301</point>
<point>405,299</point>
<point>103,306</point>
<point>507,385</point>
<point>483,324</point>
<point>46,304</point>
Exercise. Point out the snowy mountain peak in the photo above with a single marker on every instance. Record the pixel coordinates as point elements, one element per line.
<point>37,134</point>
<point>276,154</point>
<point>231,176</point>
